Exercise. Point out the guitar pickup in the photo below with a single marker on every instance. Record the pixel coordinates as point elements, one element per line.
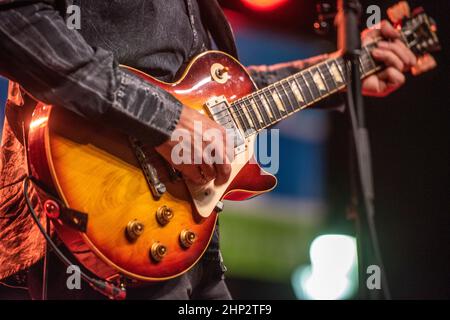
<point>219,110</point>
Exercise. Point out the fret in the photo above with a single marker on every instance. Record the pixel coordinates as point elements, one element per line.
<point>336,74</point>
<point>368,57</point>
<point>257,112</point>
<point>342,69</point>
<point>256,117</point>
<point>311,85</point>
<point>272,104</point>
<point>261,109</point>
<point>243,120</point>
<point>246,117</point>
<point>323,79</point>
<point>318,80</point>
<point>297,92</point>
<point>331,85</point>
<point>235,115</point>
<point>307,95</point>
<point>279,104</point>
<point>361,66</point>
<point>237,118</point>
<point>252,115</point>
<point>370,47</point>
<point>332,71</point>
<point>283,97</point>
<point>266,107</point>
<point>290,95</point>
<point>366,65</point>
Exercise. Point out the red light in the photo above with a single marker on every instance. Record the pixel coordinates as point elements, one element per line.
<point>263,4</point>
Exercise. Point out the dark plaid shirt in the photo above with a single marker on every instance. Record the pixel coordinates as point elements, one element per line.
<point>78,70</point>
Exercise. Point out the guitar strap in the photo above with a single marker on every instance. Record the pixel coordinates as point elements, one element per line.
<point>218,26</point>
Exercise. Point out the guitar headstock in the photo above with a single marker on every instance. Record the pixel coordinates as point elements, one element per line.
<point>419,33</point>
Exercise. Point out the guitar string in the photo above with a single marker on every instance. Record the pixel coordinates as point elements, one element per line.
<point>236,109</point>
<point>241,113</point>
<point>367,63</point>
<point>283,93</point>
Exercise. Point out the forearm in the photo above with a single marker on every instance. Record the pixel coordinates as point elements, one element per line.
<point>57,66</point>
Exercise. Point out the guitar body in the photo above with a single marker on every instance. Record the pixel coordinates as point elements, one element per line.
<point>94,169</point>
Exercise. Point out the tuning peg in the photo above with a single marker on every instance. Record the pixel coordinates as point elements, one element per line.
<point>433,25</point>
<point>398,12</point>
<point>417,11</point>
<point>424,64</point>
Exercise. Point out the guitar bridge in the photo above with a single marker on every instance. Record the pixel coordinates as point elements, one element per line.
<point>157,188</point>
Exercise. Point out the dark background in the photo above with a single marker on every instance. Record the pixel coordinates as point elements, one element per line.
<point>410,145</point>
<point>409,133</point>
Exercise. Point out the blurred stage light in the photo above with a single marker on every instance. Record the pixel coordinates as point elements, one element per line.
<point>263,4</point>
<point>332,274</point>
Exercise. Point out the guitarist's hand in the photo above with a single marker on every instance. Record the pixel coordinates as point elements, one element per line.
<point>208,169</point>
<point>394,54</point>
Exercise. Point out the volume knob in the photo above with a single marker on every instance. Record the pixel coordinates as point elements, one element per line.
<point>187,238</point>
<point>164,214</point>
<point>134,230</point>
<point>158,251</point>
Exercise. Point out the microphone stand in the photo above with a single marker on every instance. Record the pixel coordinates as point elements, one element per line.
<point>350,43</point>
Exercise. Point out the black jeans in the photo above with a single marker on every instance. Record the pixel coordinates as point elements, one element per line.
<point>204,281</point>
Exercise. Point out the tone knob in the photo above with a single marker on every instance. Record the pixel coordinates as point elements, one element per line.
<point>187,238</point>
<point>164,214</point>
<point>134,230</point>
<point>158,251</point>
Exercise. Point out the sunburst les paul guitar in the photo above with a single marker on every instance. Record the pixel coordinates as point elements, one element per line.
<point>123,211</point>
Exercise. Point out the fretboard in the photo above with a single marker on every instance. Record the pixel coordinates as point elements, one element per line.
<point>269,105</point>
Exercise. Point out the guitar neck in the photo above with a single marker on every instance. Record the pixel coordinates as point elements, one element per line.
<point>269,105</point>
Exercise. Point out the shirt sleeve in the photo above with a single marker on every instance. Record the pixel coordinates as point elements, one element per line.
<point>57,66</point>
<point>264,75</point>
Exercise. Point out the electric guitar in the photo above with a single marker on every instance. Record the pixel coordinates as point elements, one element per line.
<point>123,211</point>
